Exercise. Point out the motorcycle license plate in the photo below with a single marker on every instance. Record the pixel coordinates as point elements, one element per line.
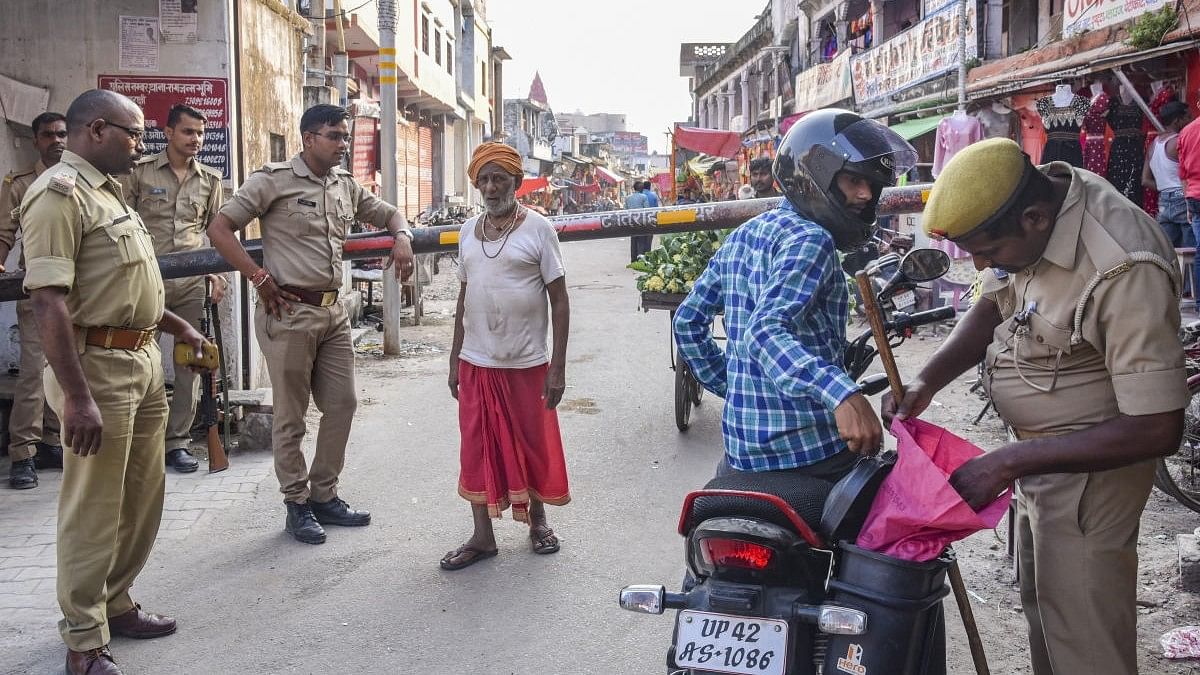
<point>731,644</point>
<point>904,300</point>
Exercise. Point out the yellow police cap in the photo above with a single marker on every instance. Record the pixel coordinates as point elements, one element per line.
<point>980,183</point>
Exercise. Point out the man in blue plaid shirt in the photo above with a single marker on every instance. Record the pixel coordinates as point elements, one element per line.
<point>789,405</point>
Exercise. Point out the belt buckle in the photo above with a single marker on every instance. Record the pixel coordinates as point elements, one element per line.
<point>108,337</point>
<point>328,298</point>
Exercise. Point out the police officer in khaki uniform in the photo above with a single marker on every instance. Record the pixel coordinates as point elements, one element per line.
<point>1077,328</point>
<point>176,196</point>
<point>98,299</point>
<point>32,427</point>
<point>305,208</point>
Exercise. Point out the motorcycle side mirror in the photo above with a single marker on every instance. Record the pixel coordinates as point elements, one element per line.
<point>924,264</point>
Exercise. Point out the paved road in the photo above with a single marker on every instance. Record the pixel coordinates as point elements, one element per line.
<point>373,600</point>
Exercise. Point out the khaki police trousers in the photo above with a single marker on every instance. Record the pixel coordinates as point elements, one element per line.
<point>309,352</point>
<point>30,422</point>
<point>111,502</point>
<point>187,300</point>
<point>1077,551</point>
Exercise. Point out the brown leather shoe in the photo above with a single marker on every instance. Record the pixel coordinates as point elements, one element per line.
<point>92,662</point>
<point>140,625</point>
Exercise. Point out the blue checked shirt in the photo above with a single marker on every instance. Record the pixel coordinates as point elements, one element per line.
<point>786,304</point>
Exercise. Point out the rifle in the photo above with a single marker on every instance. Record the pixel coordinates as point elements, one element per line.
<point>211,417</point>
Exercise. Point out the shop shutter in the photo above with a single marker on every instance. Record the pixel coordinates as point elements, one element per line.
<point>425,142</point>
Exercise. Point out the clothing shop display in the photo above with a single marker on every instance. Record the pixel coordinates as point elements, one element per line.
<point>953,134</point>
<point>1094,124</point>
<point>1128,150</point>
<point>1062,121</point>
<point>1031,134</point>
<point>996,124</point>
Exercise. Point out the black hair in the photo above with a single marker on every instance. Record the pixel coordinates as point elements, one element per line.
<point>91,105</point>
<point>321,115</point>
<point>1171,112</point>
<point>637,186</point>
<point>760,164</point>
<point>179,110</point>
<point>45,119</point>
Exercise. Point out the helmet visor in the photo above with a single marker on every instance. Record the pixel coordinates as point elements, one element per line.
<point>867,140</point>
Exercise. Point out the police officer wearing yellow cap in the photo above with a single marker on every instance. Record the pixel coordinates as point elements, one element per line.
<point>1077,327</point>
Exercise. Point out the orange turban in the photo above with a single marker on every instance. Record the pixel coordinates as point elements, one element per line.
<point>503,155</point>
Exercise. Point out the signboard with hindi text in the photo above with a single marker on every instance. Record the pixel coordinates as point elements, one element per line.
<point>362,156</point>
<point>920,53</point>
<point>1085,15</point>
<point>155,95</point>
<point>824,84</point>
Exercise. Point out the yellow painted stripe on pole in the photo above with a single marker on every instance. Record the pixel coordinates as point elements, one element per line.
<point>925,196</point>
<point>448,238</point>
<point>387,65</point>
<point>676,217</point>
<point>387,51</point>
<point>387,79</point>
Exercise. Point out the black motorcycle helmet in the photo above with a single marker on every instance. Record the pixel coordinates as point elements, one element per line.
<point>821,144</point>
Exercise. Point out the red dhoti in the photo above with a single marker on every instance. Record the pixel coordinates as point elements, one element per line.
<point>511,446</point>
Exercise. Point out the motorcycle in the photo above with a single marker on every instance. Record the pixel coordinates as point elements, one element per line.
<point>775,586</point>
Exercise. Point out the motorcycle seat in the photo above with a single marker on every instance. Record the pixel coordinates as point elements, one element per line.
<point>804,494</point>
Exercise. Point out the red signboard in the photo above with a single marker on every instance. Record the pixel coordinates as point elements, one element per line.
<point>155,95</point>
<point>362,164</point>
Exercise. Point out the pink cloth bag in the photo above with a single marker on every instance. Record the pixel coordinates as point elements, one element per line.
<point>917,513</point>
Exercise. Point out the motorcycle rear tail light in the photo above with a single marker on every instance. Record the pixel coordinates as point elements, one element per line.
<point>736,553</point>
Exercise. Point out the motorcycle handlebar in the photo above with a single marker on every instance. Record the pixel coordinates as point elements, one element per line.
<point>901,321</point>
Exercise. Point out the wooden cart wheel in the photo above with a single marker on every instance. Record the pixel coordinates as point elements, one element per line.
<point>683,394</point>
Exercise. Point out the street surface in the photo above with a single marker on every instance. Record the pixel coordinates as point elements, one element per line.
<point>372,600</point>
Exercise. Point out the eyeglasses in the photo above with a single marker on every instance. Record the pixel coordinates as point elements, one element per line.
<point>334,136</point>
<point>135,134</point>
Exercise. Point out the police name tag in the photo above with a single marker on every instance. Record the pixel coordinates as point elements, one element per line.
<point>158,191</point>
<point>306,202</point>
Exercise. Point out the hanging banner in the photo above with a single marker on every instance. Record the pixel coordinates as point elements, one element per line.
<point>1085,15</point>
<point>824,84</point>
<point>920,53</point>
<point>155,95</point>
<point>362,162</point>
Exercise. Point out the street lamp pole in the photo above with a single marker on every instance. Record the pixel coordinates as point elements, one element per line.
<point>387,152</point>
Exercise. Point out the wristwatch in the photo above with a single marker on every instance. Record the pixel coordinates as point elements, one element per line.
<point>406,231</point>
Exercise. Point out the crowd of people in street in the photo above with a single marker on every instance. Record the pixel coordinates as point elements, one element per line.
<point>1091,380</point>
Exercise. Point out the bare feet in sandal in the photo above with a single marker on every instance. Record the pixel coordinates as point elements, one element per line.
<point>465,556</point>
<point>543,539</point>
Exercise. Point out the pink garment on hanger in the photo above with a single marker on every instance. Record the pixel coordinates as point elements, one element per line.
<point>1094,145</point>
<point>1032,131</point>
<point>953,134</point>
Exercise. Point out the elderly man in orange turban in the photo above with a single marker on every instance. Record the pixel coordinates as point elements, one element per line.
<point>506,382</point>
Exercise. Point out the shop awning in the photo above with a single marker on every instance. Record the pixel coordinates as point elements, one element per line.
<point>608,176</point>
<point>709,141</point>
<point>529,185</point>
<point>910,129</point>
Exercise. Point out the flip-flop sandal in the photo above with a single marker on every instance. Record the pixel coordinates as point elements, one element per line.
<point>473,555</point>
<point>546,544</point>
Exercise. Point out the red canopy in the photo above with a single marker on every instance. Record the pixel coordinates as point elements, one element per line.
<point>709,141</point>
<point>608,176</point>
<point>663,182</point>
<point>532,185</point>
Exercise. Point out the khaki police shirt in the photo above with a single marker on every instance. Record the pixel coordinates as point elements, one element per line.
<point>11,193</point>
<point>1130,360</point>
<point>176,213</point>
<point>80,235</point>
<point>304,220</point>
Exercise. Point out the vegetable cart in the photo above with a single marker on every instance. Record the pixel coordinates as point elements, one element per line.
<point>688,392</point>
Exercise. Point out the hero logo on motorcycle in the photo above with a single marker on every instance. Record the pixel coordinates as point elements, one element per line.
<point>731,644</point>
<point>852,662</point>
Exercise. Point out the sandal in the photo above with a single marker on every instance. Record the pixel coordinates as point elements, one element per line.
<point>468,555</point>
<point>545,544</point>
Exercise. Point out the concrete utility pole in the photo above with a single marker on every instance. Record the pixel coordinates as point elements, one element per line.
<point>387,158</point>
<point>962,54</point>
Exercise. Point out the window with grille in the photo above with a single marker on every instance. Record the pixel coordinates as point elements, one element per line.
<point>425,34</point>
<point>437,47</point>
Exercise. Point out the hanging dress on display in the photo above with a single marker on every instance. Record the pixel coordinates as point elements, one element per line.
<point>1128,151</point>
<point>995,124</point>
<point>953,134</point>
<point>1062,129</point>
<point>1031,134</point>
<point>1094,124</point>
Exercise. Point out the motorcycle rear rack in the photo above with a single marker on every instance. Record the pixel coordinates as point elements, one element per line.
<point>802,528</point>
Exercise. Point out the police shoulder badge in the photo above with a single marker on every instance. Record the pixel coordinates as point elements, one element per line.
<point>63,182</point>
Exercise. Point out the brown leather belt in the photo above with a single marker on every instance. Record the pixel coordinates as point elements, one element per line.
<point>116,338</point>
<point>314,298</point>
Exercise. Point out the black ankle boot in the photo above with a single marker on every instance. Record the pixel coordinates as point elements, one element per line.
<point>337,512</point>
<point>21,475</point>
<point>302,525</point>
